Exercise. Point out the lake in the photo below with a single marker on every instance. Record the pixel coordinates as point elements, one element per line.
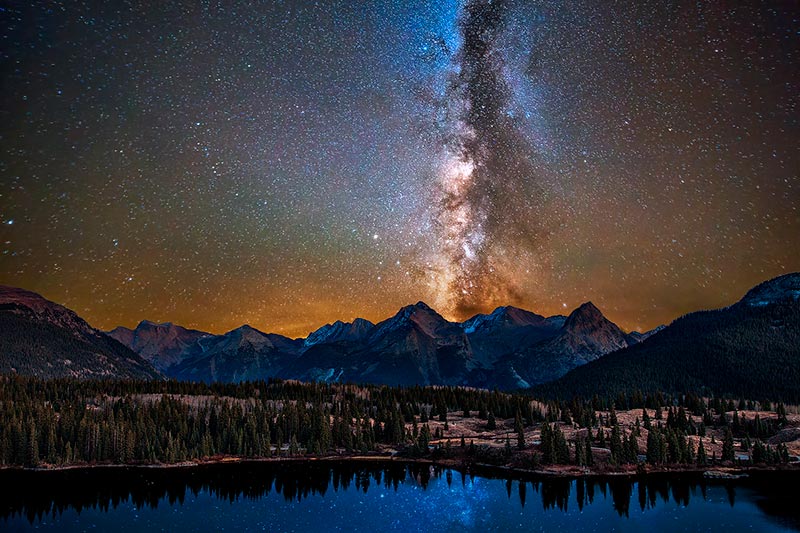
<point>326,496</point>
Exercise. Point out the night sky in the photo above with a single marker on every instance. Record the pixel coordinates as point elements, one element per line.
<point>287,164</point>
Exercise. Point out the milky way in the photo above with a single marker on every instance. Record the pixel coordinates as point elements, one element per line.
<point>290,163</point>
<point>486,159</point>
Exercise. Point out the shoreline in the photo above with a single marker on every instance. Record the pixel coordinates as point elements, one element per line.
<point>711,472</point>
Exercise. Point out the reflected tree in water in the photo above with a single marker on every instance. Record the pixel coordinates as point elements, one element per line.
<point>35,495</point>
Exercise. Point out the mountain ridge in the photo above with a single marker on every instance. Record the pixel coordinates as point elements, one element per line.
<point>509,348</point>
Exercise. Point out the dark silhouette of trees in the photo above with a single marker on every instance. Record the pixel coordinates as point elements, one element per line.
<point>727,446</point>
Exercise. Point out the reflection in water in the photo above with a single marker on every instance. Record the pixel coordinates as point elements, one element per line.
<point>38,495</point>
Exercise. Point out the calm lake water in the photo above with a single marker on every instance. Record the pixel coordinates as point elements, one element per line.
<point>386,497</point>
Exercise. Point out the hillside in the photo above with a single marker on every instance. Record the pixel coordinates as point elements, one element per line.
<point>44,339</point>
<point>750,349</point>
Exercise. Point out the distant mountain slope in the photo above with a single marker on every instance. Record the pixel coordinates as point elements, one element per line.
<point>505,331</point>
<point>415,346</point>
<point>585,336</point>
<point>357,330</point>
<point>502,318</point>
<point>44,339</point>
<point>163,345</point>
<point>240,355</point>
<point>751,349</point>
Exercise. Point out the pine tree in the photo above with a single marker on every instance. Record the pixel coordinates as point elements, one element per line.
<point>631,449</point>
<point>702,458</point>
<point>673,447</point>
<point>561,447</point>
<point>580,454</point>
<point>616,446</point>
<point>68,455</point>
<point>491,423</point>
<point>547,446</point>
<point>32,458</point>
<point>520,431</point>
<point>759,453</point>
<point>781,411</point>
<point>655,454</point>
<point>727,446</point>
<point>424,438</point>
<point>589,455</point>
<point>267,446</point>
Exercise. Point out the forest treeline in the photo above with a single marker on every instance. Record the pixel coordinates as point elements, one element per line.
<point>68,421</point>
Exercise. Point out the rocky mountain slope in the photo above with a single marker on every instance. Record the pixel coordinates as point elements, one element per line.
<point>163,345</point>
<point>586,335</point>
<point>356,330</point>
<point>415,346</point>
<point>240,355</point>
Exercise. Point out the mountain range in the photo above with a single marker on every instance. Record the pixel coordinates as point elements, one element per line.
<point>509,349</point>
<point>748,346</point>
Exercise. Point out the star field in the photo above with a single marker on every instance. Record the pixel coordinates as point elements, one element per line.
<point>287,164</point>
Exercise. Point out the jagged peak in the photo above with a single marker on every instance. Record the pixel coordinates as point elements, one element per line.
<point>338,330</point>
<point>32,300</point>
<point>586,315</point>
<point>419,308</point>
<point>246,328</point>
<point>420,314</point>
<point>420,305</point>
<point>587,307</point>
<point>152,324</point>
<point>163,328</point>
<point>44,309</point>
<point>506,315</point>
